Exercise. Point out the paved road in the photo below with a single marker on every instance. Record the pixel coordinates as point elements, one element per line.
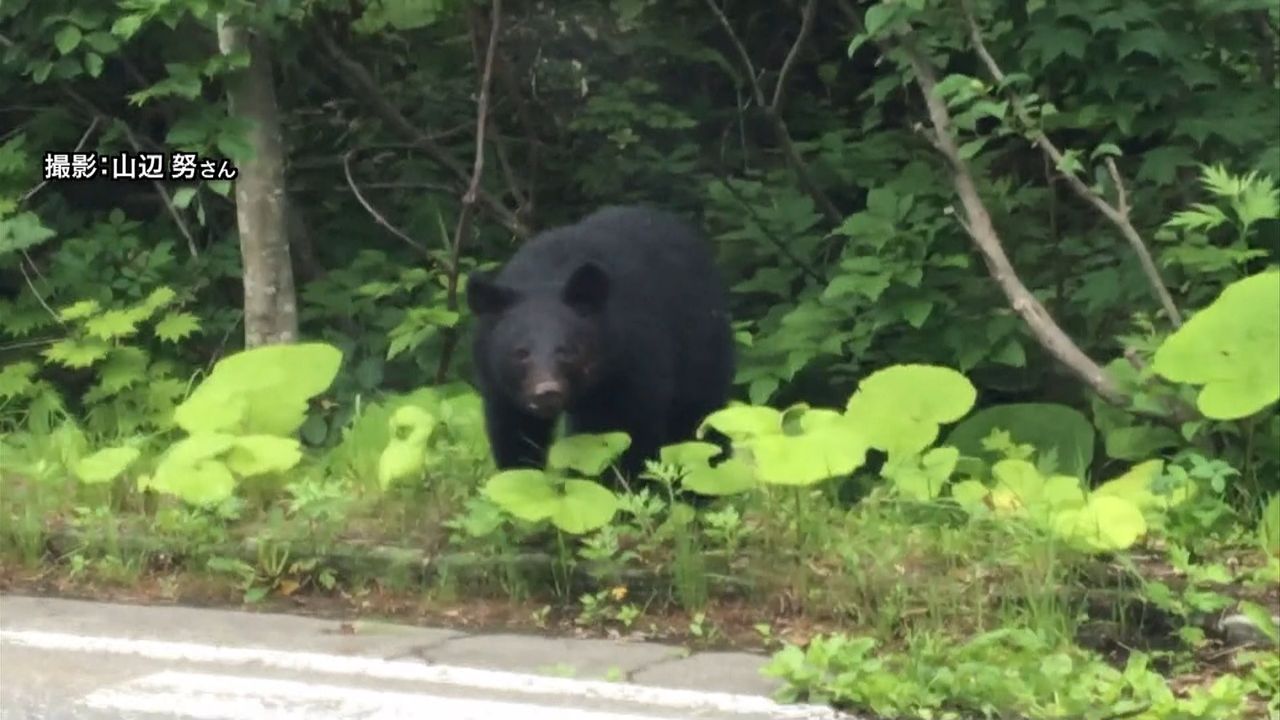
<point>93,661</point>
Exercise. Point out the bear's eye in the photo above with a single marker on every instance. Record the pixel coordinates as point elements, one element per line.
<point>567,352</point>
<point>522,354</point>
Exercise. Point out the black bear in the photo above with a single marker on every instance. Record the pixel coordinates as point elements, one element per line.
<point>619,321</point>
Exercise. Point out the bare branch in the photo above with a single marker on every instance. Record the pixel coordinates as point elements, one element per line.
<point>167,200</point>
<point>470,197</point>
<point>369,208</point>
<point>36,293</point>
<point>1118,215</point>
<point>79,145</point>
<point>360,81</point>
<point>806,27</point>
<point>783,135</point>
<point>982,230</point>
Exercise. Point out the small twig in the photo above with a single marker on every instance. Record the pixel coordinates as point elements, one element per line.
<point>377,216</point>
<point>36,293</point>
<point>362,82</point>
<point>776,241</point>
<point>1118,215</point>
<point>168,201</point>
<point>79,145</point>
<point>806,27</point>
<point>771,113</point>
<point>470,197</point>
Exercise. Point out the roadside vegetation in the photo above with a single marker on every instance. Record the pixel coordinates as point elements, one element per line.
<point>1006,440</point>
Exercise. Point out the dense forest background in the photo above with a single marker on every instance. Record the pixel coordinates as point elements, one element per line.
<point>1035,194</point>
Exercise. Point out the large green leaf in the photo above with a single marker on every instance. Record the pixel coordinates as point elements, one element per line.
<point>581,506</point>
<point>1048,427</point>
<point>105,465</point>
<point>898,409</point>
<point>1105,523</point>
<point>742,422</point>
<point>261,454</point>
<point>584,506</point>
<point>1232,348</point>
<point>526,493</point>
<point>730,477</point>
<point>274,384</point>
<point>587,454</point>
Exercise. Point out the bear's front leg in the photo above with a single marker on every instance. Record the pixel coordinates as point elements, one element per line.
<point>517,439</point>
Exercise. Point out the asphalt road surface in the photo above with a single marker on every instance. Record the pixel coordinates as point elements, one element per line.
<point>94,661</point>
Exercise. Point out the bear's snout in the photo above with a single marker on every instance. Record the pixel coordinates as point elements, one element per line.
<point>546,397</point>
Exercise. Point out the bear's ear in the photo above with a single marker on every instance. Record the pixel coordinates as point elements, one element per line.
<point>587,288</point>
<point>485,297</point>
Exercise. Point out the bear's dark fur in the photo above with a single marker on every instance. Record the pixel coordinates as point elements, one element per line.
<point>619,321</point>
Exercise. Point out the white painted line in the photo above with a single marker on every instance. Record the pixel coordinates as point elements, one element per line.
<point>311,662</point>
<point>204,696</point>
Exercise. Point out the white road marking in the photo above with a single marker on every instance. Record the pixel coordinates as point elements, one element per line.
<point>474,678</point>
<point>205,696</point>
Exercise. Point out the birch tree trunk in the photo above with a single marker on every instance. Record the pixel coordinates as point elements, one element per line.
<point>270,300</point>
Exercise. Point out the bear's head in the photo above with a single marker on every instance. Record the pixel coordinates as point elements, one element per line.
<point>544,344</point>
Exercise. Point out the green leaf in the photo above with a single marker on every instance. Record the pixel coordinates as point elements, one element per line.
<point>1048,427</point>
<point>898,409</point>
<point>970,495</point>
<point>22,231</point>
<point>916,312</point>
<point>183,196</point>
<point>268,387</point>
<point>262,454</point>
<point>587,454</point>
<point>93,64</point>
<point>1232,348</point>
<point>585,506</point>
<point>405,454</point>
<point>125,26</point>
<point>880,16</point>
<point>1105,150</point>
<point>740,422</point>
<point>103,42</point>
<point>1140,441</point>
<point>192,472</point>
<point>1105,523</point>
<point>922,479</point>
<point>78,311</point>
<point>105,465</point>
<point>16,379</point>
<point>67,38</point>
<point>76,354</point>
<point>829,447</point>
<point>730,477</point>
<point>969,149</point>
<point>112,324</point>
<point>525,493</point>
<point>177,326</point>
<point>1136,486</point>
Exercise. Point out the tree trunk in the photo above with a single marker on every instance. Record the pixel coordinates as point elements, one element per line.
<point>270,300</point>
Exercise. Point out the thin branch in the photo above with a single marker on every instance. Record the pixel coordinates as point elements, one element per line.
<point>360,81</point>
<point>369,208</point>
<point>806,27</point>
<point>981,229</point>
<point>783,135</point>
<point>79,145</point>
<point>168,201</point>
<point>1118,215</point>
<point>471,196</point>
<point>772,237</point>
<point>36,293</point>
